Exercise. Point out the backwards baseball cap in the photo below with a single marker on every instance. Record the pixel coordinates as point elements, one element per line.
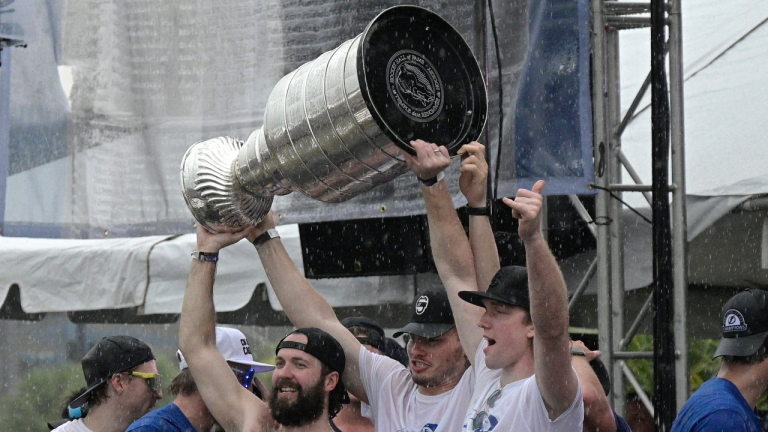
<point>233,345</point>
<point>325,348</point>
<point>745,324</point>
<point>509,285</point>
<point>432,315</point>
<point>112,355</point>
<point>375,331</point>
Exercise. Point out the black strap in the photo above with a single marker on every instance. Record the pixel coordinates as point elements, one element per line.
<point>478,211</point>
<point>291,344</point>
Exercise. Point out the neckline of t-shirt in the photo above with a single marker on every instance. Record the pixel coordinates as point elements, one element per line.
<point>432,399</point>
<point>511,386</point>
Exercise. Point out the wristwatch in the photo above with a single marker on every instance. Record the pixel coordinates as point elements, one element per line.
<point>205,256</point>
<point>431,181</point>
<point>266,236</point>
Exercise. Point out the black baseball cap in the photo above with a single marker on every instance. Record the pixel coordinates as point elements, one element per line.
<point>323,347</point>
<point>745,324</point>
<point>112,355</point>
<point>376,331</point>
<point>432,315</point>
<point>509,285</point>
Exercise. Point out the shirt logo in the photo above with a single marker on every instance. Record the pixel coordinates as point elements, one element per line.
<point>487,424</point>
<point>421,304</point>
<point>415,86</point>
<point>734,321</point>
<point>429,427</point>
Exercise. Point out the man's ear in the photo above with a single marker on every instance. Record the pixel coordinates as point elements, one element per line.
<point>118,382</point>
<point>531,331</point>
<point>331,380</point>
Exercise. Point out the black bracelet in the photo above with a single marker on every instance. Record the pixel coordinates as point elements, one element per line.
<point>431,181</point>
<point>478,211</point>
<point>266,236</point>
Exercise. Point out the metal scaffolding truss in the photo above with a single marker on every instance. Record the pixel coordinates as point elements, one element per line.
<point>608,19</point>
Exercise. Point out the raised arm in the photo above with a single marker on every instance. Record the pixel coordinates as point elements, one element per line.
<point>555,377</point>
<point>231,404</point>
<point>450,246</point>
<point>474,184</point>
<point>304,306</point>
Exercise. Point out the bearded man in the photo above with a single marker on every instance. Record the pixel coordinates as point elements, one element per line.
<point>307,387</point>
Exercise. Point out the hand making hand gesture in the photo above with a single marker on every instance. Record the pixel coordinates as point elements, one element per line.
<point>527,208</point>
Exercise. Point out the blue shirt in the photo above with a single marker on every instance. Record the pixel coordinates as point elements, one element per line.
<point>621,424</point>
<point>166,419</point>
<point>717,406</point>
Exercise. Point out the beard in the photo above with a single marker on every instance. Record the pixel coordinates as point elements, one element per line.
<point>308,406</point>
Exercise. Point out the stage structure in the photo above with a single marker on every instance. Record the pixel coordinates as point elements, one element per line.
<point>608,19</point>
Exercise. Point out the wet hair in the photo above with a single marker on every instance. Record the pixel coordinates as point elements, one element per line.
<point>755,358</point>
<point>336,396</point>
<point>98,395</point>
<point>183,384</point>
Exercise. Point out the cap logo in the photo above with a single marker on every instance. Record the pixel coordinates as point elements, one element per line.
<point>421,304</point>
<point>734,321</point>
<point>246,347</point>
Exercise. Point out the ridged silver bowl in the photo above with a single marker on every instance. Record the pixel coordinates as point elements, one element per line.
<point>212,191</point>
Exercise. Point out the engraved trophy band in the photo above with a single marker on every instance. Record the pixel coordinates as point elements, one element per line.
<point>334,127</point>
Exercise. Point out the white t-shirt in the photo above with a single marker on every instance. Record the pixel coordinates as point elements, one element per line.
<point>395,404</point>
<point>76,425</point>
<point>520,406</point>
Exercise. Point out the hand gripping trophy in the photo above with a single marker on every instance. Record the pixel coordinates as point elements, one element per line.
<point>333,128</point>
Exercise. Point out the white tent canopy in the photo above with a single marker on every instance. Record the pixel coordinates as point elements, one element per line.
<point>151,272</point>
<point>725,52</point>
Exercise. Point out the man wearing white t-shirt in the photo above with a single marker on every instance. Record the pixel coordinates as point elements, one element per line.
<point>523,383</point>
<point>431,395</point>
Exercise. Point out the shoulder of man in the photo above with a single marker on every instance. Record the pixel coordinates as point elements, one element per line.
<point>166,419</point>
<point>729,419</point>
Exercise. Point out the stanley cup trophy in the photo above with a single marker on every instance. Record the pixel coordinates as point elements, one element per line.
<point>334,127</point>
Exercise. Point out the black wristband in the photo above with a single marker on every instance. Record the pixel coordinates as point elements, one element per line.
<point>479,211</point>
<point>263,238</point>
<point>431,181</point>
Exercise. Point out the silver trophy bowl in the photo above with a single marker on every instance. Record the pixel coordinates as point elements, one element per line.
<point>334,128</point>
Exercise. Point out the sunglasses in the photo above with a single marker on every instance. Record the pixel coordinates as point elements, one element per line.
<point>244,377</point>
<point>152,379</point>
<point>477,423</point>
